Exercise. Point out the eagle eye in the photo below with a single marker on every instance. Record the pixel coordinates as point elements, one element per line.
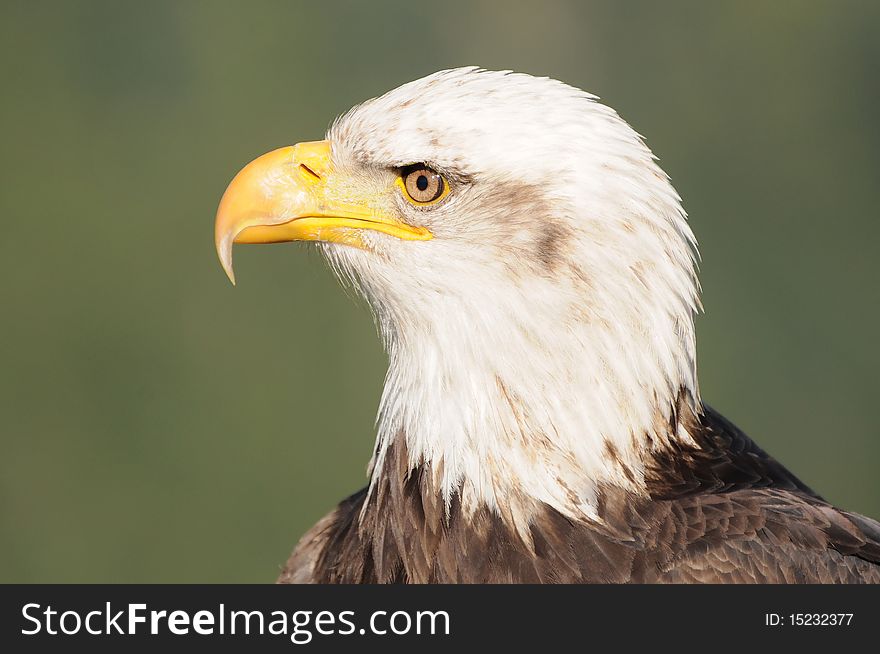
<point>422,184</point>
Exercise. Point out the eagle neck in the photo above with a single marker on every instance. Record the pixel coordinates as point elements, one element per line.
<point>503,416</point>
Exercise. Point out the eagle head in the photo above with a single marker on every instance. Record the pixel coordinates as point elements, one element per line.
<point>529,266</point>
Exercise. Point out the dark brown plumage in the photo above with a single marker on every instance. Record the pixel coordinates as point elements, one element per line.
<point>723,512</point>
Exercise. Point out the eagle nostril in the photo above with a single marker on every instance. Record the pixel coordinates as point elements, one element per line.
<point>309,171</point>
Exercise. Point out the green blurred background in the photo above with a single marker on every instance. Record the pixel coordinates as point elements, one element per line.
<point>158,425</point>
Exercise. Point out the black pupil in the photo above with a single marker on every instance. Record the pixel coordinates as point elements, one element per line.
<point>422,182</point>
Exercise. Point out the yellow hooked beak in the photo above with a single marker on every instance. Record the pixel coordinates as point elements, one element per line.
<point>292,194</point>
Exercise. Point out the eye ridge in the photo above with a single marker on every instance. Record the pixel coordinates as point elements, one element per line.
<point>423,184</point>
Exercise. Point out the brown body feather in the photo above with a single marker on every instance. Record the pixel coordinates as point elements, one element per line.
<point>721,512</point>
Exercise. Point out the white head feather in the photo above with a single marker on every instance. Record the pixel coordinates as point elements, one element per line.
<point>538,344</point>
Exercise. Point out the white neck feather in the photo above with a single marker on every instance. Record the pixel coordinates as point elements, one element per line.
<point>538,394</point>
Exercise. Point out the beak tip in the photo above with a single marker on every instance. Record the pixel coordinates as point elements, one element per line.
<point>230,273</point>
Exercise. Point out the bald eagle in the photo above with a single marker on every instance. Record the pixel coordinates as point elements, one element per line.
<point>533,278</point>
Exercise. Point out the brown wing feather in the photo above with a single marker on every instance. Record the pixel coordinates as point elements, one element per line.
<point>770,536</point>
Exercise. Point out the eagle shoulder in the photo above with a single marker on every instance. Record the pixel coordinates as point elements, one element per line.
<point>308,554</point>
<point>738,515</point>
